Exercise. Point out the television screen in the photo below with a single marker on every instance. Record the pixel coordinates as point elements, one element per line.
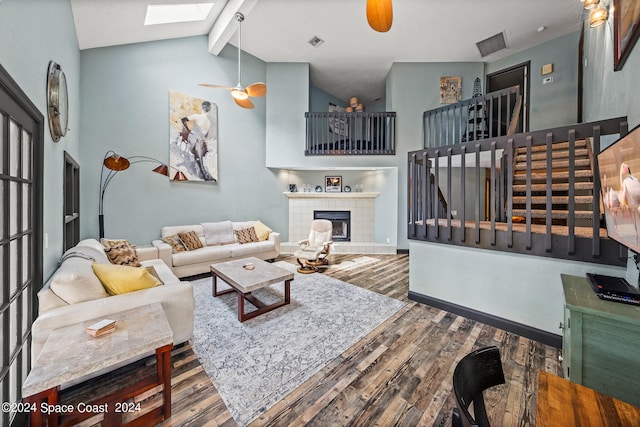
<point>619,166</point>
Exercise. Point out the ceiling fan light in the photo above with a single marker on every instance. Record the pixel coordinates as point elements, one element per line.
<point>380,15</point>
<point>239,94</point>
<point>598,16</point>
<point>590,4</point>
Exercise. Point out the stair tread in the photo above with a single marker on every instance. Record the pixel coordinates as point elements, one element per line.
<point>561,186</point>
<point>586,173</point>
<point>554,164</point>
<point>580,143</point>
<point>556,200</point>
<point>555,214</point>
<point>557,154</point>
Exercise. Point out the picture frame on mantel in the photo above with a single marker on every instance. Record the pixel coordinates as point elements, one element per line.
<point>626,30</point>
<point>333,184</point>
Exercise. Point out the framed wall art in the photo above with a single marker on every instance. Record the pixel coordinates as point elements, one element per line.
<point>333,184</point>
<point>626,29</point>
<point>193,137</point>
<point>450,90</point>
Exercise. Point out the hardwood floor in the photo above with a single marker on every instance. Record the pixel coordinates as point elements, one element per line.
<point>398,375</point>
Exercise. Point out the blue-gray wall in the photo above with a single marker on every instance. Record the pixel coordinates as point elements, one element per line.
<point>32,33</point>
<point>553,104</point>
<point>125,93</point>
<point>413,88</point>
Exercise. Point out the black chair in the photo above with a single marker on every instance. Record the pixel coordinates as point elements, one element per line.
<point>476,372</point>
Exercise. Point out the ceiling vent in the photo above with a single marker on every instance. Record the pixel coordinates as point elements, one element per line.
<point>316,41</point>
<point>492,44</point>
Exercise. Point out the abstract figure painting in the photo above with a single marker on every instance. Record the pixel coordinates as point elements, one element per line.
<point>193,137</point>
<point>450,90</point>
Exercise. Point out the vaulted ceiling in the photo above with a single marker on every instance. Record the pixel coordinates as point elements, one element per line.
<point>354,59</point>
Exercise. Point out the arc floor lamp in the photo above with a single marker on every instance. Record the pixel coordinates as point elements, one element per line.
<point>114,163</point>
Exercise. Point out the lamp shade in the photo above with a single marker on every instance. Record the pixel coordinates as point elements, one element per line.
<point>380,15</point>
<point>162,170</point>
<point>590,4</point>
<point>179,176</point>
<point>598,16</point>
<point>116,163</point>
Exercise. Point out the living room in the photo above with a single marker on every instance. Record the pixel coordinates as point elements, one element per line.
<point>118,99</point>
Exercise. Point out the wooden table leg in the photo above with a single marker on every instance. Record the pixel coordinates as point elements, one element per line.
<point>163,361</point>
<point>240,306</point>
<point>214,287</point>
<point>37,418</point>
<point>287,291</point>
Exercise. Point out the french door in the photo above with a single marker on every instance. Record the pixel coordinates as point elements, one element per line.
<point>21,166</point>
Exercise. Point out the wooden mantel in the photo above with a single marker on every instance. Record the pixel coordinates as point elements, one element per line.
<point>330,195</point>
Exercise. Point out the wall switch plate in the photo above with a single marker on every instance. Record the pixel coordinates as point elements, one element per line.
<point>547,80</point>
<point>454,213</point>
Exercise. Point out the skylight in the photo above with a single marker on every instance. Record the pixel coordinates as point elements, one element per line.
<point>171,13</point>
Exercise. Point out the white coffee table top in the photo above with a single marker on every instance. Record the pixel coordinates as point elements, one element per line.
<point>264,274</point>
<point>70,353</point>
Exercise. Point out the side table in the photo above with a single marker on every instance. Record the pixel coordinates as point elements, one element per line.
<point>71,354</point>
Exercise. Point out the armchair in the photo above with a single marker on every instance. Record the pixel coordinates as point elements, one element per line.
<point>314,250</point>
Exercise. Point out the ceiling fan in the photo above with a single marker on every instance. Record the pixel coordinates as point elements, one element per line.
<point>239,93</point>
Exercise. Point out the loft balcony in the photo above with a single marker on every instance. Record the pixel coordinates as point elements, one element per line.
<point>357,133</point>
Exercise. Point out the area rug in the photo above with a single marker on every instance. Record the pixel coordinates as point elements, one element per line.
<point>256,363</point>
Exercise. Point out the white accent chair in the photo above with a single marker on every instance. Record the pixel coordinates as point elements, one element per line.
<point>314,251</point>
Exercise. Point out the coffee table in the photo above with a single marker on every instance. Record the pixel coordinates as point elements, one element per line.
<point>243,282</point>
<point>70,354</point>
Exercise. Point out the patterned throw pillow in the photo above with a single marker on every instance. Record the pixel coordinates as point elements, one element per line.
<point>121,253</point>
<point>246,235</point>
<point>175,243</point>
<point>190,240</point>
<point>152,271</point>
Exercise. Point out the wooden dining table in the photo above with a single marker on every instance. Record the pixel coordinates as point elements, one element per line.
<point>562,403</point>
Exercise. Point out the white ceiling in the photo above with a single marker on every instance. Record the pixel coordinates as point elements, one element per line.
<point>354,59</point>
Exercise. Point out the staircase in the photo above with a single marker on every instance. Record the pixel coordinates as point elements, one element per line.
<point>583,184</point>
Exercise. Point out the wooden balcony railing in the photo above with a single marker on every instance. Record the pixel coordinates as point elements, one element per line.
<point>492,115</point>
<point>357,133</point>
<point>490,166</point>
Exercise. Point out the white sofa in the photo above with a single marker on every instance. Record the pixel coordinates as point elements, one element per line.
<point>220,243</point>
<point>74,294</point>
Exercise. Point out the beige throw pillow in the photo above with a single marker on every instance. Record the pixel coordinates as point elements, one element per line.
<point>246,235</point>
<point>175,243</point>
<point>190,240</point>
<point>121,252</point>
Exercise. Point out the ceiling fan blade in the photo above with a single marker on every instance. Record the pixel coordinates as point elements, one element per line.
<point>257,89</point>
<point>215,86</point>
<point>380,15</point>
<point>244,103</point>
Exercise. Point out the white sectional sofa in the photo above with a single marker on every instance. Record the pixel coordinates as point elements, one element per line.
<point>219,243</point>
<point>74,294</point>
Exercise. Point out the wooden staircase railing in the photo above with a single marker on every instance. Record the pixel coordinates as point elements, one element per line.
<point>541,195</point>
<point>558,214</point>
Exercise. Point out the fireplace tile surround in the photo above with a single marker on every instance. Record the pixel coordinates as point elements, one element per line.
<point>362,208</point>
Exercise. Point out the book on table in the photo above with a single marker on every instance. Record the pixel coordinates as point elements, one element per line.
<point>102,327</point>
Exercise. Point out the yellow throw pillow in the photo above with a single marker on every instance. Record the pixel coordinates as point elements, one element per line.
<point>262,231</point>
<point>120,279</point>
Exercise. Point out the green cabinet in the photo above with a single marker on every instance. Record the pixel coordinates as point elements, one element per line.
<point>600,342</point>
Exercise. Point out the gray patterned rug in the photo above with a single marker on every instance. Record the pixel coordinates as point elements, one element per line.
<point>256,363</point>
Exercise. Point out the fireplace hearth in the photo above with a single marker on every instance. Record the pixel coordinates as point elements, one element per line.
<point>341,221</point>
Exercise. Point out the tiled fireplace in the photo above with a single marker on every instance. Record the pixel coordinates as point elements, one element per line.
<point>361,209</point>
